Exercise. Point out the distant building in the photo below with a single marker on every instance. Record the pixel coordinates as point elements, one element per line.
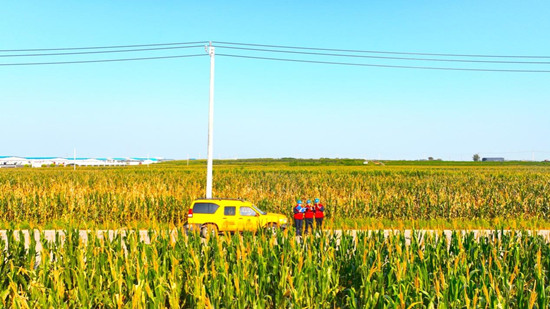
<point>12,161</point>
<point>492,159</point>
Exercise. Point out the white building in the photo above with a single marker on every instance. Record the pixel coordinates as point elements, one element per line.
<point>12,161</point>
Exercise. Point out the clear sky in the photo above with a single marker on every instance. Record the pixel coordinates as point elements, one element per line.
<point>271,108</point>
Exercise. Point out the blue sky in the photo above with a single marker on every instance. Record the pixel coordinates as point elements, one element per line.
<point>276,109</point>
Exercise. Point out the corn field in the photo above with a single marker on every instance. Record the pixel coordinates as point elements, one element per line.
<point>367,270</point>
<point>114,197</point>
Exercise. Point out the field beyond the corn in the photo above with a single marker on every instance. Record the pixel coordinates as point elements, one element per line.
<point>398,194</point>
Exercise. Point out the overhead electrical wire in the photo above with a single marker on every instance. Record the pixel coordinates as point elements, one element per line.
<point>385,66</point>
<point>281,49</point>
<point>104,60</point>
<point>101,51</point>
<point>383,52</point>
<point>100,47</point>
<point>382,57</point>
<point>511,152</point>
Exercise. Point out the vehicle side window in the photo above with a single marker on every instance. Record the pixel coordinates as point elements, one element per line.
<point>229,210</point>
<point>205,208</point>
<point>247,211</point>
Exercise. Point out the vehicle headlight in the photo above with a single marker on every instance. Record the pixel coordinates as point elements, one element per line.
<point>282,220</point>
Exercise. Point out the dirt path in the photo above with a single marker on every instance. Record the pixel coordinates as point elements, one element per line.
<point>50,235</point>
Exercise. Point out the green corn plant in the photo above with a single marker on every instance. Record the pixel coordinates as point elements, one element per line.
<point>327,270</point>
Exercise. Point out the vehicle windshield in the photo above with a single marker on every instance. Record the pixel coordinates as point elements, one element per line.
<point>259,210</point>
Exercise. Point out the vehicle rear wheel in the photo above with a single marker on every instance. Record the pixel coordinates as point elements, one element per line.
<point>209,229</point>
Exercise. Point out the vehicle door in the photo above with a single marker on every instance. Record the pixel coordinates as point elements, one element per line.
<point>229,219</point>
<point>247,219</point>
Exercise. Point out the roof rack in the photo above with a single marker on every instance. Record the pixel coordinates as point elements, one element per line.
<point>221,198</point>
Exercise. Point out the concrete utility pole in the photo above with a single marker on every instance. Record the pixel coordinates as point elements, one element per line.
<point>210,50</point>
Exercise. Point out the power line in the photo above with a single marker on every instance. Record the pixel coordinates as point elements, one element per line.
<point>194,44</point>
<point>383,52</point>
<point>271,50</point>
<point>385,66</point>
<point>98,61</point>
<point>382,57</point>
<point>514,152</point>
<point>100,47</point>
<point>277,59</point>
<point>277,46</point>
<point>102,51</point>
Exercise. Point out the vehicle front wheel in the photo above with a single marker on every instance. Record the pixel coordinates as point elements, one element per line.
<point>209,229</point>
<point>272,228</point>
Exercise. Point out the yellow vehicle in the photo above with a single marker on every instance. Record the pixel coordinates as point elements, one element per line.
<point>230,215</point>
